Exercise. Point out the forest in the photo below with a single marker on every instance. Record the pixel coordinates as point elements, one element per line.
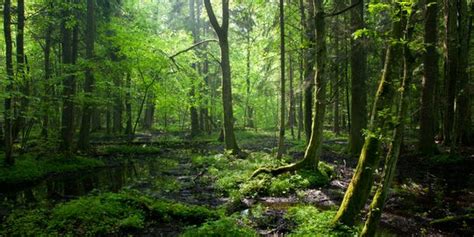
<point>237,118</point>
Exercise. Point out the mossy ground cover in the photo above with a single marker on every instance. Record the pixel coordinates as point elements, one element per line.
<point>29,168</point>
<point>104,214</point>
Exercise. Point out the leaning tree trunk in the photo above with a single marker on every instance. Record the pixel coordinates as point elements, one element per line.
<point>361,183</point>
<point>281,139</point>
<point>222,33</point>
<point>9,160</point>
<point>378,202</point>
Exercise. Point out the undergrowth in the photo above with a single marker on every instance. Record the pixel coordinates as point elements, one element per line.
<point>103,214</point>
<point>29,168</point>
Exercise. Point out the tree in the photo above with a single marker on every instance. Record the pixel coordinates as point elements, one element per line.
<point>222,32</point>
<point>358,80</point>
<point>361,183</point>
<point>83,143</point>
<point>314,147</point>
<point>8,110</point>
<point>69,42</point>
<point>430,77</point>
<point>281,140</point>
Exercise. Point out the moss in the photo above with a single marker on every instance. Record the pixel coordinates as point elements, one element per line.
<point>227,226</point>
<point>129,150</point>
<point>103,214</point>
<point>309,221</point>
<point>446,159</point>
<point>29,168</point>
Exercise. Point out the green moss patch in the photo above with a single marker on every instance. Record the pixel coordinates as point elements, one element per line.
<point>104,214</point>
<point>28,168</point>
<point>227,226</point>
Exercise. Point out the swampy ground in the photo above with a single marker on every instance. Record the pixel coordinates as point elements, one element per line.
<point>167,185</point>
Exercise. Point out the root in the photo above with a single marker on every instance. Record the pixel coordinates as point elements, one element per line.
<point>279,170</point>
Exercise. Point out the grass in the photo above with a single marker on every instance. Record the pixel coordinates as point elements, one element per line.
<point>103,214</point>
<point>29,168</point>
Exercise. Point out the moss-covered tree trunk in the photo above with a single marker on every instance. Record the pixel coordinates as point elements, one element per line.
<point>378,202</point>
<point>309,68</point>
<point>361,183</point>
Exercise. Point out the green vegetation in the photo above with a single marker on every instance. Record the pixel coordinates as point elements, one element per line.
<point>29,168</point>
<point>309,221</point>
<point>128,150</point>
<point>108,213</point>
<point>232,176</point>
<point>227,226</point>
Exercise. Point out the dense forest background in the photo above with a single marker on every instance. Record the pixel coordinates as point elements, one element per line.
<point>259,98</point>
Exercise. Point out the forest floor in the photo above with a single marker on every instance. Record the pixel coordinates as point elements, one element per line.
<point>432,196</point>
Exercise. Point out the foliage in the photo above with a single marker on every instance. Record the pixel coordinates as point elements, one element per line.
<point>107,213</point>
<point>227,226</point>
<point>232,176</point>
<point>29,168</point>
<point>309,221</point>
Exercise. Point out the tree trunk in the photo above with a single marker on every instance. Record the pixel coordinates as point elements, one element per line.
<point>20,120</point>
<point>84,134</point>
<point>313,151</point>
<point>118,106</point>
<point>128,107</point>
<point>281,139</point>
<point>361,183</point>
<point>309,69</point>
<point>47,77</point>
<point>192,94</point>
<point>427,123</point>
<point>8,113</point>
<point>451,67</point>
<point>222,33</point>
<point>358,82</point>
<point>67,122</point>
<point>378,202</point>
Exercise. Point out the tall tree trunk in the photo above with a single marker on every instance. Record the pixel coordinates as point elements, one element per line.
<point>358,82</point>
<point>309,69</point>
<point>20,120</point>
<point>83,143</point>
<point>118,106</point>
<point>67,122</point>
<point>313,151</point>
<point>8,113</point>
<point>192,94</point>
<point>222,33</point>
<point>128,107</point>
<point>292,110</point>
<point>47,83</point>
<point>378,202</point>
<point>451,67</point>
<point>361,183</point>
<point>462,129</point>
<point>427,123</point>
<point>281,140</point>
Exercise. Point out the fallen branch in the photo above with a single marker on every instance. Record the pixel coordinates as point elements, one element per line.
<point>279,170</point>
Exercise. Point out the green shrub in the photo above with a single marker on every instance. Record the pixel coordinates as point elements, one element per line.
<point>227,226</point>
<point>309,221</point>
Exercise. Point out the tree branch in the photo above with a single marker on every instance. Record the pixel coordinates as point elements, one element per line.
<point>212,17</point>
<point>344,10</point>
<point>191,47</point>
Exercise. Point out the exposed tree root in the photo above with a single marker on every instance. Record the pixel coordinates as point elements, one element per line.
<point>279,170</point>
